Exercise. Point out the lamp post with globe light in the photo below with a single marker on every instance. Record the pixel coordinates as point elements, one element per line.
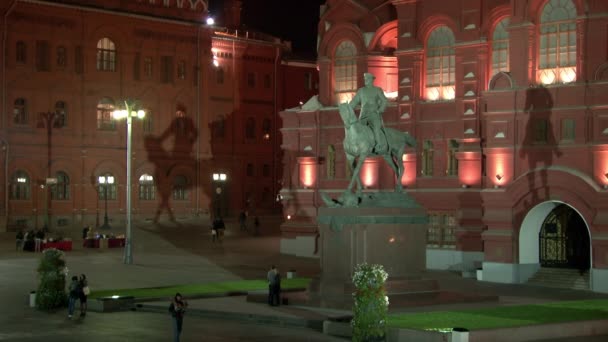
<point>219,179</point>
<point>128,113</point>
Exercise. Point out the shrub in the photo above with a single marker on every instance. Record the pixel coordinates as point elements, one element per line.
<point>51,272</point>
<point>371,303</point>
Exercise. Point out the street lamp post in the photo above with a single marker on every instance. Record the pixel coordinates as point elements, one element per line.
<point>128,113</point>
<point>105,181</point>
<point>49,118</point>
<point>219,179</point>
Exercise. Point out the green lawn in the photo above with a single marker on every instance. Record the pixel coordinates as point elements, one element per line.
<point>200,289</point>
<point>503,317</point>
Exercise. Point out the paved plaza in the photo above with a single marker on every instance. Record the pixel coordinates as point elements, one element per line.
<point>181,254</point>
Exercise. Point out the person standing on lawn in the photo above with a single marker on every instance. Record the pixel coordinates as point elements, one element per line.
<point>276,300</point>
<point>73,294</point>
<point>271,277</point>
<point>177,309</point>
<point>84,293</point>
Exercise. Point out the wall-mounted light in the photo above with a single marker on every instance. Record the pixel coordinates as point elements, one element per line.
<point>606,184</point>
<point>289,217</point>
<point>210,21</point>
<point>499,177</point>
<point>464,186</point>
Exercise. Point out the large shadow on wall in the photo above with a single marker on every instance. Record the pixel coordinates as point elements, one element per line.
<point>182,130</point>
<point>539,145</point>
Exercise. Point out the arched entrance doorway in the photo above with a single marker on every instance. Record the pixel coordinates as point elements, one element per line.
<point>554,234</point>
<point>564,240</point>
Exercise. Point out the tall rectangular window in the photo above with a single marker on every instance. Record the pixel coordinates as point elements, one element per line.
<point>137,67</point>
<point>500,47</point>
<point>78,60</point>
<point>440,65</point>
<point>568,129</point>
<point>557,45</point>
<point>148,67</point>
<point>345,72</point>
<point>181,70</point>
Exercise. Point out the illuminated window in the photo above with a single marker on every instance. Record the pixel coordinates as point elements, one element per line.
<point>148,122</point>
<point>105,120</point>
<point>61,114</point>
<point>147,189</point>
<point>20,186</point>
<point>441,230</point>
<point>500,47</point>
<point>20,52</point>
<point>108,188</point>
<point>557,46</point>
<point>427,158</point>
<point>345,72</point>
<point>20,112</point>
<point>106,55</point>
<point>440,65</point>
<point>180,188</point>
<point>61,190</point>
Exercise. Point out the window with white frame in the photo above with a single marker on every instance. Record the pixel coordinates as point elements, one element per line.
<point>105,120</point>
<point>61,190</point>
<point>106,55</point>
<point>147,189</point>
<point>440,65</point>
<point>500,47</point>
<point>345,72</point>
<point>20,186</point>
<point>557,45</point>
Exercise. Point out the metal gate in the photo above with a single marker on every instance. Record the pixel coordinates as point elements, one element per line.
<point>564,241</point>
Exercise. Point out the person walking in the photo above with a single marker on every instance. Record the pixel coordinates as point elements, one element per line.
<point>256,226</point>
<point>177,309</point>
<point>73,294</point>
<point>243,220</point>
<point>276,291</point>
<point>83,294</point>
<point>271,277</point>
<point>38,240</point>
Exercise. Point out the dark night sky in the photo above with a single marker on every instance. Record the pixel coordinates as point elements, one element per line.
<point>293,20</point>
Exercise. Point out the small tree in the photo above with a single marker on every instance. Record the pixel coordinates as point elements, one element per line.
<point>371,303</point>
<point>51,272</point>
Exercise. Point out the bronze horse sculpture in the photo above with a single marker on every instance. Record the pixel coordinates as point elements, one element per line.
<point>359,143</point>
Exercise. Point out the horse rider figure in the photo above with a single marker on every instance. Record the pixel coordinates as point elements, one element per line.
<point>373,103</point>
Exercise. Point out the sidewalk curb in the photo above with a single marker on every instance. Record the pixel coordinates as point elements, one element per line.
<point>243,317</point>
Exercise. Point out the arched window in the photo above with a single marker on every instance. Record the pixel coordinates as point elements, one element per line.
<point>180,188</point>
<point>105,120</point>
<point>557,46</point>
<point>500,47</point>
<point>61,190</point>
<point>62,58</point>
<point>20,112</point>
<point>266,125</point>
<point>440,65</point>
<point>20,52</point>
<point>20,186</point>
<point>250,128</point>
<point>106,55</point>
<point>147,189</point>
<point>61,113</point>
<point>108,187</point>
<point>427,158</point>
<point>345,72</point>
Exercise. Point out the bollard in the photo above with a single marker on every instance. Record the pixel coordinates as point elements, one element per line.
<point>460,335</point>
<point>32,299</point>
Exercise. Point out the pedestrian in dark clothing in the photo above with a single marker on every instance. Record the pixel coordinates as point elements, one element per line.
<point>217,229</point>
<point>256,226</point>
<point>243,220</point>
<point>38,240</point>
<point>177,309</point>
<point>73,295</point>
<point>276,292</point>
<point>20,239</point>
<point>83,294</point>
<point>271,277</point>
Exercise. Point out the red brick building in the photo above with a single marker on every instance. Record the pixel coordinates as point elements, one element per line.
<point>210,92</point>
<point>507,100</point>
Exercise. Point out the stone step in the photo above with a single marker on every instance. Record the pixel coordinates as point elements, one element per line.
<point>560,278</point>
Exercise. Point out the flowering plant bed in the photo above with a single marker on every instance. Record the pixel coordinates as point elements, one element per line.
<point>371,303</point>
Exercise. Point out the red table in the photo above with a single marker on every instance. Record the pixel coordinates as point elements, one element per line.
<point>91,243</point>
<point>60,245</point>
<point>116,243</point>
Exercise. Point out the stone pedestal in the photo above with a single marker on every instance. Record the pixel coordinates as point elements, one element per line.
<point>393,237</point>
